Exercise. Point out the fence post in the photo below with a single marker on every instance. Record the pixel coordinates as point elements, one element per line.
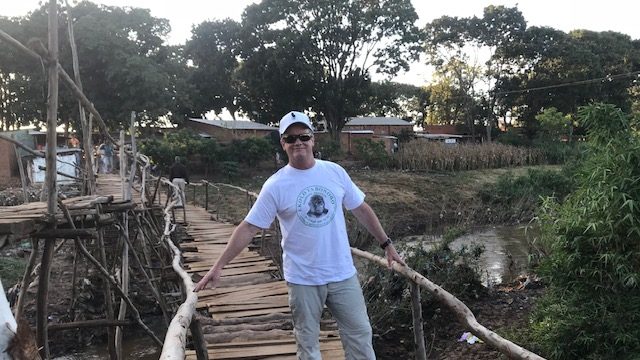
<point>206,195</point>
<point>418,332</point>
<point>194,195</point>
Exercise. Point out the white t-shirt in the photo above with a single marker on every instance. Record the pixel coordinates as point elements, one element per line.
<point>308,204</point>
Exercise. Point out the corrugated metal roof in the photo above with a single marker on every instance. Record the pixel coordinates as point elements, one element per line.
<point>373,121</point>
<point>237,125</point>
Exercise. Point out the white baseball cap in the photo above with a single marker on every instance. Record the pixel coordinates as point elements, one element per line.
<point>294,117</point>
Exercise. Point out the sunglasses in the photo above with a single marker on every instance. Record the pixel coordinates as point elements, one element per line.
<point>290,139</point>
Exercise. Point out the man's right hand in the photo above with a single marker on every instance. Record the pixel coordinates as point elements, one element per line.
<point>210,280</point>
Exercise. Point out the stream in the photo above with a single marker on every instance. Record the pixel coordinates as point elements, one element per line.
<point>505,253</point>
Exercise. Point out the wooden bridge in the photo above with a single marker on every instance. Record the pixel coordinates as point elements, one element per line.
<point>248,313</point>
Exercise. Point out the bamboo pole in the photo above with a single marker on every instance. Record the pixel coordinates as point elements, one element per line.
<point>464,315</point>
<point>21,145</point>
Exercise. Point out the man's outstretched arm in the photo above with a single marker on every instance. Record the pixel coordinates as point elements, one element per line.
<point>367,217</point>
<point>239,240</point>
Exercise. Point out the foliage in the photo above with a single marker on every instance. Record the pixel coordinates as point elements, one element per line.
<point>592,308</point>
<point>248,151</point>
<point>451,42</point>
<point>318,55</point>
<point>183,143</point>
<point>387,293</point>
<point>329,149</point>
<point>231,169</point>
<point>427,155</point>
<point>389,98</point>
<point>213,50</point>
<point>517,198</point>
<point>553,123</point>
<point>372,153</point>
<point>124,65</point>
<point>559,152</point>
<point>593,65</point>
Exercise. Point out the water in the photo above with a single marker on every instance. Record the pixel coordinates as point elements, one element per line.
<point>505,255</point>
<point>136,345</point>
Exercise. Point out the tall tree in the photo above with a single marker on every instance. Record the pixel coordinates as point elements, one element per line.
<point>322,52</point>
<point>213,49</point>
<point>124,63</point>
<point>389,98</point>
<point>566,71</point>
<point>456,43</point>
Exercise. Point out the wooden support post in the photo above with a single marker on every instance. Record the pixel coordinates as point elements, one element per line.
<point>26,278</point>
<point>23,178</point>
<point>418,330</point>
<point>206,195</point>
<point>50,179</point>
<point>86,129</point>
<point>108,300</point>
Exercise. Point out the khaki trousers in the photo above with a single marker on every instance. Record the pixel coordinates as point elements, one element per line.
<point>346,303</point>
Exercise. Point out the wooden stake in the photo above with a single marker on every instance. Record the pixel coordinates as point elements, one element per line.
<point>418,332</point>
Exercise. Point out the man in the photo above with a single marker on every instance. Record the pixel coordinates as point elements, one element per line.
<point>179,177</point>
<point>307,196</point>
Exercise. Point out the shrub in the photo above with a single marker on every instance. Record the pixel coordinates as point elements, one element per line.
<point>592,307</point>
<point>372,153</point>
<point>329,149</point>
<point>248,151</point>
<point>387,293</point>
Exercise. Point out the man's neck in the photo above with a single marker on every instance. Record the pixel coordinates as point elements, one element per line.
<point>306,165</point>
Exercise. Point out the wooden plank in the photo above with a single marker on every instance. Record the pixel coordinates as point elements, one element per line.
<point>238,314</point>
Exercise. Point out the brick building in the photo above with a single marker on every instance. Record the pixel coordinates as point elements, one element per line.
<point>379,125</point>
<point>225,131</point>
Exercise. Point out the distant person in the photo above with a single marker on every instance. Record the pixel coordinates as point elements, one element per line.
<point>308,196</point>
<point>105,153</point>
<point>179,177</point>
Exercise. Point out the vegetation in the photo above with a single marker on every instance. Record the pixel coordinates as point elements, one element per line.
<point>512,198</point>
<point>205,151</point>
<point>592,308</point>
<point>372,153</point>
<point>11,270</point>
<point>387,293</point>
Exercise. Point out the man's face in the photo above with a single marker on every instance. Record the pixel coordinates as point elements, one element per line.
<point>298,151</point>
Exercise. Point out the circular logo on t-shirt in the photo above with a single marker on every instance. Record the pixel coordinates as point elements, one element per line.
<point>316,206</point>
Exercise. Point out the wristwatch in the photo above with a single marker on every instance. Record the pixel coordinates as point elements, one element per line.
<point>385,244</point>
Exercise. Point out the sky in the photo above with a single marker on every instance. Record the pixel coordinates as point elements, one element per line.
<point>565,15</point>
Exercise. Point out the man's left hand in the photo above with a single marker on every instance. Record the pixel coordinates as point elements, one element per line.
<point>392,255</point>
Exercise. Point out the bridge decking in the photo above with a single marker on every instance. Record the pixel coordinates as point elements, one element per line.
<point>249,315</point>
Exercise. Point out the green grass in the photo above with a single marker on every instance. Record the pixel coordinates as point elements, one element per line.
<point>11,271</point>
